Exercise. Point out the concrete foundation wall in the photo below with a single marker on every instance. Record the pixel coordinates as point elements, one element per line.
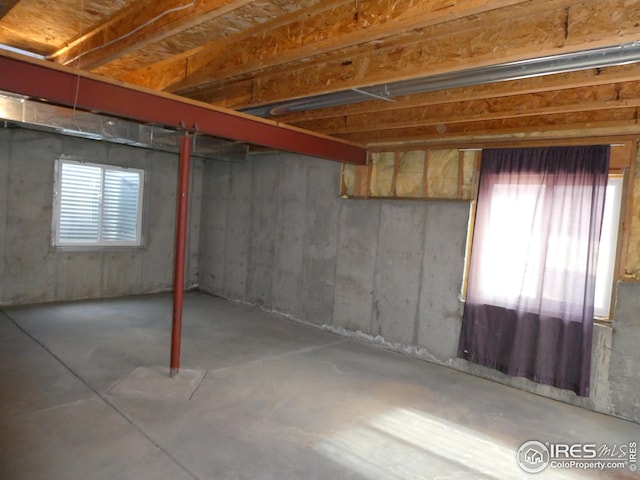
<point>34,271</point>
<point>275,234</point>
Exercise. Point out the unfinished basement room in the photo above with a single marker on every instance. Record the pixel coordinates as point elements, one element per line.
<point>319,239</point>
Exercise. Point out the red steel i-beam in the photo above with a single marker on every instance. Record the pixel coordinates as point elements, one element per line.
<point>39,79</point>
<point>180,252</point>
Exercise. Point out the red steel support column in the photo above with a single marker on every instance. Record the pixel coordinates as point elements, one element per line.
<point>181,247</point>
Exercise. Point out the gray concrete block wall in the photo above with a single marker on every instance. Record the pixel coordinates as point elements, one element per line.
<point>443,253</point>
<point>624,370</point>
<point>600,394</point>
<point>264,187</point>
<point>356,265</point>
<point>194,218</point>
<point>398,271</point>
<point>273,232</point>
<point>5,149</point>
<point>289,237</point>
<point>30,268</point>
<point>79,275</point>
<point>293,246</point>
<point>213,225</point>
<point>236,251</point>
<point>322,221</point>
<point>386,271</point>
<point>159,218</point>
<point>34,271</point>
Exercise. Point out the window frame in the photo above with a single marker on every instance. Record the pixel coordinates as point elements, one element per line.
<point>621,179</point>
<point>621,175</point>
<point>100,244</point>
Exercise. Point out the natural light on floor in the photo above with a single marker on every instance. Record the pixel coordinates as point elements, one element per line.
<point>405,444</point>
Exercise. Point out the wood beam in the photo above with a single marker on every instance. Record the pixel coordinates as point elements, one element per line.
<point>141,24</point>
<point>619,121</point>
<point>322,28</point>
<point>72,88</point>
<point>601,136</point>
<point>601,97</point>
<point>487,40</point>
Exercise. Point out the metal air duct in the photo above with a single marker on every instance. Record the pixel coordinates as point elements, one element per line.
<point>20,110</point>
<point>535,67</point>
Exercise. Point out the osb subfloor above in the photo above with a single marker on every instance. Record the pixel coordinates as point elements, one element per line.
<point>243,54</point>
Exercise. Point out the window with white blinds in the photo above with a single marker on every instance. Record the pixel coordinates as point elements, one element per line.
<point>99,205</point>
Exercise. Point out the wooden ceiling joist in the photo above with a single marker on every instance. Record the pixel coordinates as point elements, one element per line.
<point>243,54</point>
<point>319,29</point>
<point>620,121</point>
<point>601,97</point>
<point>423,53</point>
<point>141,24</point>
<point>549,83</point>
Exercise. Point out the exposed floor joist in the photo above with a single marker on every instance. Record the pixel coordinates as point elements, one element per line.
<point>319,29</point>
<point>480,40</point>
<point>583,79</point>
<point>611,122</point>
<point>250,55</point>
<point>602,97</point>
<point>141,24</point>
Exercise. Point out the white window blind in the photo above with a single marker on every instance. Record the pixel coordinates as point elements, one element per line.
<point>97,205</point>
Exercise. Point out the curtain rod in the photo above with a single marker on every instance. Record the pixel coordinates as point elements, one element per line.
<point>479,149</point>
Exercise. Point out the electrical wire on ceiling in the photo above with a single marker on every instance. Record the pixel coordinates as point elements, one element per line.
<point>111,42</point>
<point>77,92</point>
<point>128,34</point>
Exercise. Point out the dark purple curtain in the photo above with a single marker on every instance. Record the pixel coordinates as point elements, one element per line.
<point>530,294</point>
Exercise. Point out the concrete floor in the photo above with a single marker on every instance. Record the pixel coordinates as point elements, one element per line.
<point>84,394</point>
